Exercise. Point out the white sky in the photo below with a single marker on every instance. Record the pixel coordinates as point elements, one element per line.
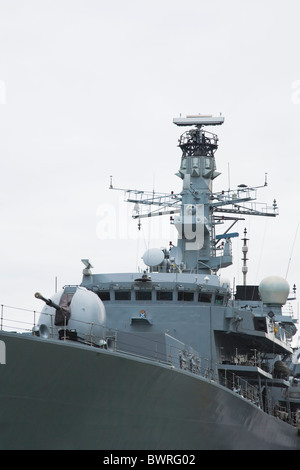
<point>89,88</point>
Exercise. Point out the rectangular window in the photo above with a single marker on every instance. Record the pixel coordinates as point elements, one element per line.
<point>186,296</point>
<point>219,299</point>
<point>122,295</point>
<point>143,295</point>
<point>104,295</point>
<point>207,163</point>
<point>164,295</point>
<point>204,297</point>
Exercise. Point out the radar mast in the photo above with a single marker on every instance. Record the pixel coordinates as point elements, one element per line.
<point>197,211</point>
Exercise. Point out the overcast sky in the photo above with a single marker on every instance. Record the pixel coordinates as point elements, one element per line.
<point>89,89</point>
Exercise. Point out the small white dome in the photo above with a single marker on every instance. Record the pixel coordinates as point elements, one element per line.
<point>153,257</point>
<point>274,290</point>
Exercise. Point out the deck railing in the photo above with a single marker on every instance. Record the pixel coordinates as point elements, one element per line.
<point>13,319</point>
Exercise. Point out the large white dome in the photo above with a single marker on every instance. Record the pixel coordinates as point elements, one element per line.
<point>274,290</point>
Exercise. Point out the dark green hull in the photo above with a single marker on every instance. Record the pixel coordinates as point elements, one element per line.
<point>60,395</point>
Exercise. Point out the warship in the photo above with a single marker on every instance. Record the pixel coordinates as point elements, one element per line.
<point>172,357</point>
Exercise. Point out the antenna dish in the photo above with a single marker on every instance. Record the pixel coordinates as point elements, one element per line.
<point>153,257</point>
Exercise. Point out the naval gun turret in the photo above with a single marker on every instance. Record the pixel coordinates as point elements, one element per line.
<point>73,313</point>
<point>62,314</point>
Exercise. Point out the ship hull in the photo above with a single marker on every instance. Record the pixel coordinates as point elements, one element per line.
<point>62,395</point>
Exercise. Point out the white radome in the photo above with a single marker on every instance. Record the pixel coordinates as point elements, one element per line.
<point>153,257</point>
<point>274,290</point>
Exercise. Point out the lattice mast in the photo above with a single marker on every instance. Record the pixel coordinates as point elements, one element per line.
<point>197,211</point>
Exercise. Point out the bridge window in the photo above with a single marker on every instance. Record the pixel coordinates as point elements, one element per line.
<point>204,297</point>
<point>164,295</point>
<point>219,299</point>
<point>122,295</point>
<point>104,295</point>
<point>186,296</point>
<point>143,295</point>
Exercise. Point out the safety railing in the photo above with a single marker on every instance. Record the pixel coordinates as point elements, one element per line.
<point>18,320</point>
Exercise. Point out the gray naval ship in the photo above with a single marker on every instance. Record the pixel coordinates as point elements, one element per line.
<point>171,357</point>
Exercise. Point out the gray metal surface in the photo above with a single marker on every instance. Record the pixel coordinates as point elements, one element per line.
<point>60,396</point>
<point>169,358</point>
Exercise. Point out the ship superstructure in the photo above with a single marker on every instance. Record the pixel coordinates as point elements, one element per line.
<point>171,357</point>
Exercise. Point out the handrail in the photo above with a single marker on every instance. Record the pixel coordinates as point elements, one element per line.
<point>185,360</point>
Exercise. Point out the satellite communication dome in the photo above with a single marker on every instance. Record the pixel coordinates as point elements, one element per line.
<point>153,257</point>
<point>274,290</point>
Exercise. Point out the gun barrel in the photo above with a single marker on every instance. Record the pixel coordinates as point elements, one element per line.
<point>47,301</point>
